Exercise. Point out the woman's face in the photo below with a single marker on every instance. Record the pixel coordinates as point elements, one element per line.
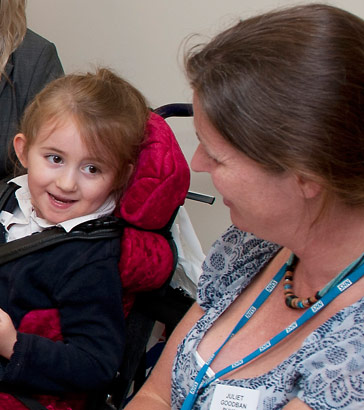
<point>259,201</point>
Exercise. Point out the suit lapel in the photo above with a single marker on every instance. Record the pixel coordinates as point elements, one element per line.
<point>8,71</point>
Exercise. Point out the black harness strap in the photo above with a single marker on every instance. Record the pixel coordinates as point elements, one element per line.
<point>102,228</point>
<point>28,402</point>
<point>6,191</point>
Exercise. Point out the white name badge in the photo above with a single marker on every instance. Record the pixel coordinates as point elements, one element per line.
<point>234,398</point>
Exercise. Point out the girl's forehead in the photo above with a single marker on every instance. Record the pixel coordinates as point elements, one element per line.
<point>50,125</point>
<point>56,127</point>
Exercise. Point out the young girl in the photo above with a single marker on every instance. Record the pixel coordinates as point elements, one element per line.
<point>79,141</point>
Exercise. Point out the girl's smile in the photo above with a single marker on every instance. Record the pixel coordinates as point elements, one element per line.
<point>61,202</point>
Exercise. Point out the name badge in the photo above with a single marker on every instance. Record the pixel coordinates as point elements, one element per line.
<point>234,398</point>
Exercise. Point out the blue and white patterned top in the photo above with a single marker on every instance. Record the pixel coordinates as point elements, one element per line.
<point>327,372</point>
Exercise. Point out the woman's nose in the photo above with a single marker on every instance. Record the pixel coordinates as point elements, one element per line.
<point>198,164</point>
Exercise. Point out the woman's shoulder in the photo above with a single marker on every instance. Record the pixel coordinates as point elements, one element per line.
<point>37,52</point>
<point>332,359</point>
<point>343,327</point>
<point>34,63</point>
<point>232,262</point>
<point>32,42</point>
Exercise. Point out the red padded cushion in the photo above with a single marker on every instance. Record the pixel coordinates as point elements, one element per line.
<point>161,179</point>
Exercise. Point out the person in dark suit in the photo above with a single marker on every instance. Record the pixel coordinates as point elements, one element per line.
<point>27,63</point>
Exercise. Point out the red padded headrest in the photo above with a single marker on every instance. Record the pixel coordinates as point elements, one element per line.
<point>160,181</point>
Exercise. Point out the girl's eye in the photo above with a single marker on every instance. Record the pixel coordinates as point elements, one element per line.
<point>91,169</point>
<point>54,159</point>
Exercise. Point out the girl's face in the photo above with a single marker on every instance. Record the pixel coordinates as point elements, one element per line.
<point>65,180</point>
<point>260,202</point>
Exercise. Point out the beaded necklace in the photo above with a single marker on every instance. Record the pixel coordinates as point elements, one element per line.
<point>296,302</point>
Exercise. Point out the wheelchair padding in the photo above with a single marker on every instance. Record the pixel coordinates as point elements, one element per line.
<point>158,186</point>
<point>161,180</point>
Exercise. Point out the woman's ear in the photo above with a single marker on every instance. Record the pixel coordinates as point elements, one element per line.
<point>309,188</point>
<point>20,147</point>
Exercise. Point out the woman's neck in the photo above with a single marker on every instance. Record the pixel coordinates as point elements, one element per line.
<point>328,246</point>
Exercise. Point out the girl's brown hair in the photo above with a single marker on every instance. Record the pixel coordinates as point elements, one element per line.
<point>287,89</point>
<point>109,112</point>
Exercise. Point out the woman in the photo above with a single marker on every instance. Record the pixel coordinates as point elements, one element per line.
<point>27,63</point>
<point>278,109</point>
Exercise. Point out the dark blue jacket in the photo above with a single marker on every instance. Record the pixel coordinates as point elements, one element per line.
<point>80,279</point>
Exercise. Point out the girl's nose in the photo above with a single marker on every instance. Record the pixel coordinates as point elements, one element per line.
<point>66,181</point>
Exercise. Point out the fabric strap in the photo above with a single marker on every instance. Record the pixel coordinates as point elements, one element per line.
<point>29,402</point>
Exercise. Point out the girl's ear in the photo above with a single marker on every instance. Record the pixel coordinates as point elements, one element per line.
<point>130,171</point>
<point>20,147</point>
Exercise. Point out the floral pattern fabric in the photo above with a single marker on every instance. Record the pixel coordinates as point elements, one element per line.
<point>327,372</point>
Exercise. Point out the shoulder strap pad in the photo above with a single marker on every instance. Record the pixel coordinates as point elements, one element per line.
<point>102,228</point>
<point>6,191</point>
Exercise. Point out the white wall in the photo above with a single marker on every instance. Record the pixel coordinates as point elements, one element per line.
<point>141,40</point>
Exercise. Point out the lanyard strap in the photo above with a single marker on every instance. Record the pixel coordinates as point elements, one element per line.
<point>307,315</point>
<point>262,297</point>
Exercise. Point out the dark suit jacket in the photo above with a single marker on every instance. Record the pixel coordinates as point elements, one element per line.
<point>32,65</point>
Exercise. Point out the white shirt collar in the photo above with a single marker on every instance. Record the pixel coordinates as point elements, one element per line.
<point>24,220</point>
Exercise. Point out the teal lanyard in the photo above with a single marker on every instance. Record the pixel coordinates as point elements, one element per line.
<point>328,297</point>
